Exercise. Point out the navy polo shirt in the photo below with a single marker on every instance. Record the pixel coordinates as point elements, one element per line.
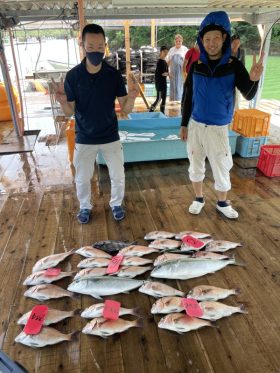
<point>94,95</point>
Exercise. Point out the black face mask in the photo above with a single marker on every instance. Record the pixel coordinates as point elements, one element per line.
<point>95,58</point>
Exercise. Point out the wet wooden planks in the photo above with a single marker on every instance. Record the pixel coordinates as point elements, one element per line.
<point>42,221</point>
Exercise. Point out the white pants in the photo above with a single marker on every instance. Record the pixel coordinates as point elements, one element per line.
<point>84,159</point>
<point>211,142</point>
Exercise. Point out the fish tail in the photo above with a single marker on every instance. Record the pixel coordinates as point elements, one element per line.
<point>242,309</point>
<point>238,263</point>
<point>136,312</point>
<point>237,291</point>
<point>138,323</point>
<point>74,336</point>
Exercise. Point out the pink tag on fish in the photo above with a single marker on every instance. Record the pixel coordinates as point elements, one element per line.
<point>192,307</point>
<point>36,319</point>
<point>114,264</point>
<point>193,242</point>
<point>111,309</point>
<point>52,271</point>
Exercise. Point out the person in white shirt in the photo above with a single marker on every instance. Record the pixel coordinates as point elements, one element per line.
<point>175,60</point>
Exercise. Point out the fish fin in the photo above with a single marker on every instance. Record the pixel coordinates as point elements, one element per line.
<point>74,336</point>
<point>241,264</point>
<point>139,323</point>
<point>242,309</point>
<point>78,311</point>
<point>237,291</point>
<point>96,296</point>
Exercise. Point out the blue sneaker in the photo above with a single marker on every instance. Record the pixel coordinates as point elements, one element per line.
<point>118,212</point>
<point>83,216</point>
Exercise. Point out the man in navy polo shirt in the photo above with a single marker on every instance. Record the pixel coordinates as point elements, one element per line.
<point>89,92</point>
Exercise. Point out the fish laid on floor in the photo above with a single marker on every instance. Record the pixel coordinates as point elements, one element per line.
<point>96,310</point>
<point>208,292</point>
<point>221,246</point>
<point>185,269</point>
<point>197,235</point>
<point>132,271</point>
<point>155,235</point>
<point>137,250</point>
<point>104,327</point>
<point>216,310</point>
<point>47,336</point>
<point>185,247</point>
<point>182,323</point>
<point>167,257</point>
<point>165,244</point>
<point>104,262</point>
<point>98,287</point>
<point>53,316</point>
<point>91,252</point>
<point>168,305</point>
<point>111,246</point>
<point>158,290</point>
<point>94,263</point>
<point>210,255</point>
<point>38,278</point>
<point>91,272</point>
<point>47,291</point>
<point>51,261</point>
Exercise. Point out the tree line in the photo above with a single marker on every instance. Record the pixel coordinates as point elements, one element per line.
<point>140,36</point>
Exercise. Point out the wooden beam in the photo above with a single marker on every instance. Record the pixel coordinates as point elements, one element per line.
<point>127,47</point>
<point>82,25</point>
<point>153,32</point>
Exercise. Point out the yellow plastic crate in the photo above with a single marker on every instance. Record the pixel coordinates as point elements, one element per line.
<point>251,122</point>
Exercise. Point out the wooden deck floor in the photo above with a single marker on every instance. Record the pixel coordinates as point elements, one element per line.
<point>38,208</point>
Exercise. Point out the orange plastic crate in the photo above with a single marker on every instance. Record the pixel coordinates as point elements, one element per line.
<point>251,122</point>
<point>269,160</point>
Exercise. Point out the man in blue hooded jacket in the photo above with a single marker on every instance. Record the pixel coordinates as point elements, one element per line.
<point>207,108</point>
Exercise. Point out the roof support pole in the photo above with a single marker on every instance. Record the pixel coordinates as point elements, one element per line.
<point>9,90</point>
<point>127,47</point>
<point>82,25</point>
<point>153,32</point>
<point>265,32</point>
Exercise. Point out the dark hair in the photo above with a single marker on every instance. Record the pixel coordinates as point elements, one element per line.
<point>163,48</point>
<point>92,28</point>
<point>235,37</point>
<point>212,27</point>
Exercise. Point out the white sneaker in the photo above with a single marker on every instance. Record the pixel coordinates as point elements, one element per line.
<point>228,211</point>
<point>196,207</point>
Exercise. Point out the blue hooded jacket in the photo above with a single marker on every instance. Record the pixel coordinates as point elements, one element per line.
<point>214,90</point>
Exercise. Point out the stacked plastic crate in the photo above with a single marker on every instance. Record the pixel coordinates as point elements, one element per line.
<point>253,127</point>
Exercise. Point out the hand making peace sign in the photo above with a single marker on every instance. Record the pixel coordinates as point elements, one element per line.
<point>59,91</point>
<point>257,68</point>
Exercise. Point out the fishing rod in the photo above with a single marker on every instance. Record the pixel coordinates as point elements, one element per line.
<point>263,44</point>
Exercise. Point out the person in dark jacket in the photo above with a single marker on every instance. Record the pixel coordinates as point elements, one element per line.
<point>160,80</point>
<point>208,105</point>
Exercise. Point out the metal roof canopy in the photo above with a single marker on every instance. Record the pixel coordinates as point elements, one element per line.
<point>254,12</point>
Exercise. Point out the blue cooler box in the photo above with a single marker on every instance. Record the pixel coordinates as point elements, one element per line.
<point>250,146</point>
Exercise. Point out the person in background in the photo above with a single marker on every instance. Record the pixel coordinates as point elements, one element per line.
<point>160,80</point>
<point>89,92</point>
<point>208,109</point>
<point>191,56</point>
<point>236,51</point>
<point>175,60</point>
